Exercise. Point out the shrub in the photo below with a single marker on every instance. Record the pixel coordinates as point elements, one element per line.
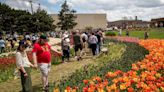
<point>110,33</point>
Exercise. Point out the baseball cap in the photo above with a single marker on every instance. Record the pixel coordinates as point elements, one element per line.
<point>43,37</point>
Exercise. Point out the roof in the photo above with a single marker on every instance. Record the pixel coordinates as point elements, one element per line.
<point>84,14</point>
<point>158,19</point>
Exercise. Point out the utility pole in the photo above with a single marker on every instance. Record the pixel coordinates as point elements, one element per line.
<point>30,1</point>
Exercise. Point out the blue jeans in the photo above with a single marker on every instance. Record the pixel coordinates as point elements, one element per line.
<point>98,49</point>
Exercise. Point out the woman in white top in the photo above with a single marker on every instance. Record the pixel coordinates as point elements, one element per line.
<point>93,43</point>
<point>24,65</point>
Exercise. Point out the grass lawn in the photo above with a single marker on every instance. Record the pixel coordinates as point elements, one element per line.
<point>153,33</point>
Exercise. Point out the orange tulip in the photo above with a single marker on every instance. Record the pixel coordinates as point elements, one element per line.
<point>85,81</point>
<point>122,86</point>
<point>131,89</point>
<point>56,90</point>
<point>85,89</point>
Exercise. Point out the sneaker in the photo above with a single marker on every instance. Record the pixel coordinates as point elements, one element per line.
<point>46,88</point>
<point>80,58</point>
<point>76,57</point>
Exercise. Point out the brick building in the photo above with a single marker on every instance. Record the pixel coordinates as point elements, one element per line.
<point>159,22</point>
<point>129,24</point>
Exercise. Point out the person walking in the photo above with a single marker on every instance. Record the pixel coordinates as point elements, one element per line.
<point>2,45</point>
<point>24,65</point>
<point>146,35</point>
<point>127,33</point>
<point>77,44</point>
<point>93,43</point>
<point>42,58</point>
<point>99,38</point>
<point>84,40</point>
<point>120,31</point>
<point>65,45</point>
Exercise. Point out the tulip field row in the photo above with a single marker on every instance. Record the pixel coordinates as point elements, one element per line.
<point>146,75</point>
<point>100,78</point>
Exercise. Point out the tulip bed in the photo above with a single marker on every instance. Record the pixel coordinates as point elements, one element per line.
<point>98,78</point>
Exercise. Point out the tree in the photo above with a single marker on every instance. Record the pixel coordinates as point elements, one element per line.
<point>12,20</point>
<point>4,18</point>
<point>42,21</point>
<point>66,17</point>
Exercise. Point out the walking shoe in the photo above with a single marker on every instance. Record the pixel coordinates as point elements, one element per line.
<point>80,58</point>
<point>46,88</point>
<point>76,57</point>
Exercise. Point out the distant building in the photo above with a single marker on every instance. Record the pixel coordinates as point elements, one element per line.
<point>129,24</point>
<point>159,22</point>
<point>96,21</point>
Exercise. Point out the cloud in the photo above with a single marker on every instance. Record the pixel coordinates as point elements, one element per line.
<point>21,4</point>
<point>115,9</point>
<point>25,5</point>
<point>162,1</point>
<point>53,1</point>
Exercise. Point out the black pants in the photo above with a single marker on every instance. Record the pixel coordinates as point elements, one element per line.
<point>26,81</point>
<point>93,47</point>
<point>66,54</point>
<point>2,49</point>
<point>77,47</point>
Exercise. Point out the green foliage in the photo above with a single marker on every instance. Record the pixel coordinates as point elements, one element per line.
<point>23,21</point>
<point>6,74</point>
<point>66,17</point>
<point>43,21</point>
<point>56,60</point>
<point>110,33</point>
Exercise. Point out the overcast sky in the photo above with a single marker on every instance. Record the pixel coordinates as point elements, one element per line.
<point>115,9</point>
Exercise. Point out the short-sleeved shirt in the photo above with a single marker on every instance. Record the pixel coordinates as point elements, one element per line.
<point>76,39</point>
<point>2,43</point>
<point>42,52</point>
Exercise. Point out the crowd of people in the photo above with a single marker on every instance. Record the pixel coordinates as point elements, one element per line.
<point>10,41</point>
<point>80,41</point>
